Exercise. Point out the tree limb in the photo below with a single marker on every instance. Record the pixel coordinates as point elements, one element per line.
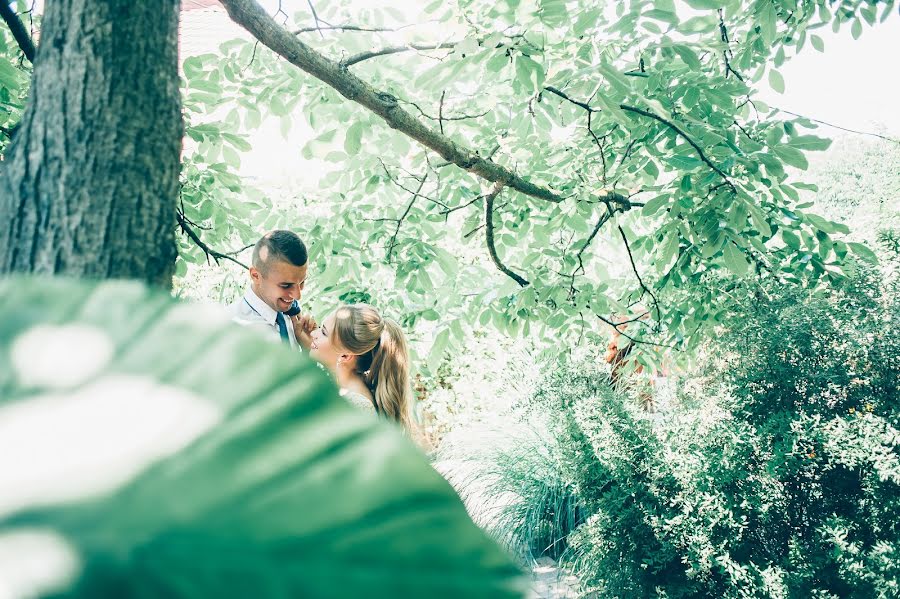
<point>17,28</point>
<point>251,16</point>
<point>489,235</point>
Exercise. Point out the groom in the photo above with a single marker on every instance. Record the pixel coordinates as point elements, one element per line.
<point>277,278</point>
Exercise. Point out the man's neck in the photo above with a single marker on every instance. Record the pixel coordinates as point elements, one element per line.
<point>258,304</point>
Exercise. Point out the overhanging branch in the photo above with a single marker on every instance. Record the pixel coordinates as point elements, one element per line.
<point>17,28</point>
<point>489,236</point>
<point>251,16</point>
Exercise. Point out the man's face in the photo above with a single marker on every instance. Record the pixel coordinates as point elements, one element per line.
<point>281,284</point>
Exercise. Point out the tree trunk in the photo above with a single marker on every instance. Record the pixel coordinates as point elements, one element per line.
<point>90,181</point>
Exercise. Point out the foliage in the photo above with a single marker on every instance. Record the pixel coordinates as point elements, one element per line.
<point>155,450</point>
<point>673,126</point>
<point>858,183</point>
<point>15,73</point>
<point>779,478</point>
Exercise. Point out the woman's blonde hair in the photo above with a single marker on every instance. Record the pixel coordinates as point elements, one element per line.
<point>382,358</point>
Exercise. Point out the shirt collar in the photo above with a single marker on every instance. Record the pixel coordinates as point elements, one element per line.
<point>259,306</point>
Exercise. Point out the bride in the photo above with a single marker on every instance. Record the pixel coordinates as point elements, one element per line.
<point>368,356</point>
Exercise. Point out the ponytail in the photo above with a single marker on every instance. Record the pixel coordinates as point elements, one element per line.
<point>382,362</point>
<point>388,376</point>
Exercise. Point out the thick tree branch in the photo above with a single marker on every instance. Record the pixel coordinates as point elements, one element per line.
<point>250,15</point>
<point>489,235</point>
<point>17,28</point>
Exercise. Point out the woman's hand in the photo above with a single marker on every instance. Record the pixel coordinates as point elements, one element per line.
<point>304,325</point>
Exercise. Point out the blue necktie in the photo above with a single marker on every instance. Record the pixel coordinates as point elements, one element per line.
<point>282,327</point>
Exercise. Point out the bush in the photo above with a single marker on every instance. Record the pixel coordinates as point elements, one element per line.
<point>781,480</point>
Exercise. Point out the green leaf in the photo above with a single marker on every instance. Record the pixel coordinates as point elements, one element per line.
<point>791,240</point>
<point>856,29</point>
<point>353,138</point>
<point>688,56</point>
<point>529,73</point>
<point>792,157</point>
<point>734,259</point>
<point>809,143</point>
<point>436,354</point>
<point>653,206</point>
<point>553,12</point>
<point>776,81</point>
<point>817,43</point>
<point>691,96</point>
<point>863,252</point>
<point>705,4</point>
<point>202,460</point>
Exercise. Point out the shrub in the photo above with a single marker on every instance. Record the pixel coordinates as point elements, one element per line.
<point>782,478</point>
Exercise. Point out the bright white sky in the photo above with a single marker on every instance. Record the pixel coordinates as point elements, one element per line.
<point>854,83</point>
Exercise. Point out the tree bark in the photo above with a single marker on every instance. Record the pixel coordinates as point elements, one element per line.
<point>90,182</point>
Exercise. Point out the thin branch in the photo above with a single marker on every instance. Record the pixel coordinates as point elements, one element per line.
<point>644,288</point>
<point>358,58</point>
<point>315,16</point>
<point>441,112</point>
<point>616,325</point>
<point>394,180</point>
<point>744,131</point>
<point>890,139</point>
<point>686,137</point>
<point>564,96</point>
<point>599,145</point>
<point>17,28</point>
<point>600,222</point>
<point>651,115</point>
<point>447,211</point>
<point>726,54</point>
<point>393,242</point>
<point>441,117</point>
<point>489,235</point>
<point>348,27</point>
<point>183,223</point>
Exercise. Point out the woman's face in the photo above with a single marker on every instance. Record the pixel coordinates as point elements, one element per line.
<point>325,348</point>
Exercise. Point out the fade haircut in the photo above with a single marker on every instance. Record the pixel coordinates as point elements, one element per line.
<point>279,245</point>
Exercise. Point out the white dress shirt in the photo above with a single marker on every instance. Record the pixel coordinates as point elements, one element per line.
<point>252,312</point>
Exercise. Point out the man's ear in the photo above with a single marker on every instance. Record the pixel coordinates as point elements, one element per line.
<point>255,275</point>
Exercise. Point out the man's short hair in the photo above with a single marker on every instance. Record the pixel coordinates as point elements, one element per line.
<point>279,245</point>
